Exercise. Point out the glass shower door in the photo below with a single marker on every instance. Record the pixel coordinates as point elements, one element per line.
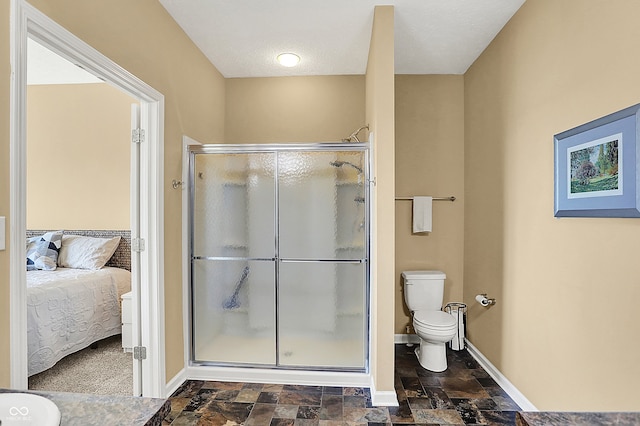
<point>233,257</point>
<point>279,257</point>
<point>322,249</point>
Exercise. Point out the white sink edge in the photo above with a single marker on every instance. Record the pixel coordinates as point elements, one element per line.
<point>27,409</point>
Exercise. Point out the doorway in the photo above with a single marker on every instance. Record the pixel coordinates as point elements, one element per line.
<point>79,172</point>
<point>146,233</point>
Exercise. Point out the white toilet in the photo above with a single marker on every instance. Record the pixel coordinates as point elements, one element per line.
<point>423,293</point>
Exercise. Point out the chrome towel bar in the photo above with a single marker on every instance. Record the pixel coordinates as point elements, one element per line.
<point>452,198</point>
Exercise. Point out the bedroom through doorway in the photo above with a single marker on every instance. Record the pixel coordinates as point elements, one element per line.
<point>146,201</point>
<point>79,188</point>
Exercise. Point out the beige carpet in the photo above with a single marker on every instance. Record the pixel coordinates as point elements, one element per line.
<point>102,371</point>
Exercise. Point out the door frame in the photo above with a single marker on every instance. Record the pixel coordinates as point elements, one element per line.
<point>27,21</point>
<point>186,250</point>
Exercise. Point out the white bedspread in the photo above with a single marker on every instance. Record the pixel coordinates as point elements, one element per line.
<point>69,309</point>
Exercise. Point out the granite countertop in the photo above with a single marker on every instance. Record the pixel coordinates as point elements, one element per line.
<point>574,419</point>
<point>99,410</point>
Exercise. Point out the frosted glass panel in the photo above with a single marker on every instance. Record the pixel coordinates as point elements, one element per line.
<point>234,311</point>
<point>322,205</point>
<point>321,308</point>
<point>234,205</point>
<point>279,257</point>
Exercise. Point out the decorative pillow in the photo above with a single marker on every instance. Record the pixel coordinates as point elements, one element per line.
<point>82,252</point>
<point>43,251</point>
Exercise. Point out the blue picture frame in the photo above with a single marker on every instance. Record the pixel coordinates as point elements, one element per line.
<point>596,167</point>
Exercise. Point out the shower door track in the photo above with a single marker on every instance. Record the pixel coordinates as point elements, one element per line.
<point>244,148</point>
<point>275,149</point>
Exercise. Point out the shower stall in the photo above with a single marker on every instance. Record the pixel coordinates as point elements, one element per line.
<point>279,249</point>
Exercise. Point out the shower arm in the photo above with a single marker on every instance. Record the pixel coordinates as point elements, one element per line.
<point>353,137</point>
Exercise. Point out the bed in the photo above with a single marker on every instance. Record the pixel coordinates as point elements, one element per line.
<point>77,303</point>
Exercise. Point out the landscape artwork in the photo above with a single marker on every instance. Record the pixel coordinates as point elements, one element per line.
<point>595,168</point>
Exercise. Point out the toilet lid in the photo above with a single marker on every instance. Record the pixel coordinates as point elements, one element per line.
<point>434,319</point>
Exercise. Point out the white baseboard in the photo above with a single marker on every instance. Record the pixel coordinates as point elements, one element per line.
<point>504,383</point>
<point>378,398</point>
<point>495,374</point>
<point>175,383</point>
<point>406,338</point>
<point>383,398</point>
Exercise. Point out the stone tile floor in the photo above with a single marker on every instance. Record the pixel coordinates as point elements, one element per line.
<point>464,394</point>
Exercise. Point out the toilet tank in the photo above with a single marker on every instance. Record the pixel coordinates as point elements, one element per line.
<point>423,290</point>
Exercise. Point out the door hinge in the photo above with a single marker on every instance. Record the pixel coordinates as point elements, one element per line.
<point>139,352</point>
<point>137,135</point>
<point>137,244</point>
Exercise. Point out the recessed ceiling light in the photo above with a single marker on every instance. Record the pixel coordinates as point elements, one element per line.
<point>288,59</point>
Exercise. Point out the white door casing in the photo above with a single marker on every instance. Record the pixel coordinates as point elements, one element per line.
<point>136,327</point>
<point>26,21</point>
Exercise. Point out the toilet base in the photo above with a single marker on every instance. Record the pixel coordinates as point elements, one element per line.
<point>432,356</point>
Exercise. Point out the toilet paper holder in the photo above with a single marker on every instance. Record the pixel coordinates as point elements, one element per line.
<point>483,300</point>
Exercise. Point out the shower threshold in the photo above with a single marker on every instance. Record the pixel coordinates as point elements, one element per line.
<point>298,352</point>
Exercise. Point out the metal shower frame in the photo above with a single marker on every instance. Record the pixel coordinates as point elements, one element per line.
<point>276,148</point>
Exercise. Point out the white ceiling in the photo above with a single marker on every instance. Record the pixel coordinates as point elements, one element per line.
<point>243,37</point>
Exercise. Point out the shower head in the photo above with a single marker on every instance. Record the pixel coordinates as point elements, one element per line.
<point>345,163</point>
<point>353,137</point>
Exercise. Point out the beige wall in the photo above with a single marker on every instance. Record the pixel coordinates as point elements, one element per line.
<point>429,161</point>
<point>380,117</point>
<point>293,109</point>
<point>565,328</point>
<point>78,157</point>
<point>142,38</point>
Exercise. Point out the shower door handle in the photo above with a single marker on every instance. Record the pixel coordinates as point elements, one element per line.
<point>263,259</point>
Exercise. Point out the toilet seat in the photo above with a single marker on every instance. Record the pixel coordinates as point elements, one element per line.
<point>434,320</point>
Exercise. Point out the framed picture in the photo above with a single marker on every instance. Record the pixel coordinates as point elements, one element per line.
<point>596,167</point>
